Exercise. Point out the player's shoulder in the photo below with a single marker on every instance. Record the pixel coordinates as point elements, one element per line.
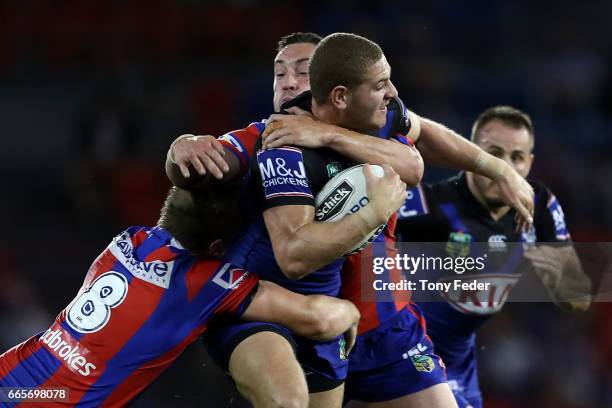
<point>543,195</point>
<point>427,198</point>
<point>538,186</point>
<point>225,274</point>
<point>155,238</point>
<point>548,214</point>
<point>424,198</point>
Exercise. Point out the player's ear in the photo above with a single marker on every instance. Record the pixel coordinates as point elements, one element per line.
<point>217,248</point>
<point>339,97</point>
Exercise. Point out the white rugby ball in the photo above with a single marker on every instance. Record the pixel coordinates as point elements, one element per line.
<point>345,194</point>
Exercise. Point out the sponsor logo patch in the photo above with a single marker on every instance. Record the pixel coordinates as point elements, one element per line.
<point>283,173</point>
<point>497,243</point>
<point>333,168</point>
<point>156,272</point>
<point>230,278</point>
<point>458,244</point>
<point>68,350</point>
<point>418,349</point>
<point>481,302</point>
<point>334,202</point>
<point>342,348</point>
<point>423,363</point>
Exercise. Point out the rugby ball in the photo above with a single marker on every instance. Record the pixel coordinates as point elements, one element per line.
<point>344,194</point>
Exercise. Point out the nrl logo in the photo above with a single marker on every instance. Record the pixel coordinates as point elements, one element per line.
<point>423,363</point>
<point>333,168</point>
<point>458,244</point>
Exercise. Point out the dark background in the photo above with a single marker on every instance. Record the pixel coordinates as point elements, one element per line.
<point>92,93</point>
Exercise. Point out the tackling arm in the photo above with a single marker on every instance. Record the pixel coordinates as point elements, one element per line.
<point>318,317</point>
<point>193,158</point>
<point>303,130</point>
<point>559,269</point>
<point>441,146</point>
<point>404,159</point>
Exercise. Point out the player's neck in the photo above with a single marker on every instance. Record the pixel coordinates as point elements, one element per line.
<point>328,114</point>
<point>325,113</point>
<point>496,213</point>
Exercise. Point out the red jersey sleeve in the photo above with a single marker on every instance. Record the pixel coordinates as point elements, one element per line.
<point>242,143</point>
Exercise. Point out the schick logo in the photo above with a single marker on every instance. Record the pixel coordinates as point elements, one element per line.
<point>334,202</point>
<point>70,353</point>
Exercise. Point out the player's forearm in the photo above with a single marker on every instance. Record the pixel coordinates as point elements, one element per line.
<point>405,160</point>
<point>326,318</point>
<point>440,146</point>
<point>316,316</point>
<point>317,244</point>
<point>573,293</point>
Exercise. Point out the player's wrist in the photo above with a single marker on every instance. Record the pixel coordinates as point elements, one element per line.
<point>491,166</point>
<point>373,215</point>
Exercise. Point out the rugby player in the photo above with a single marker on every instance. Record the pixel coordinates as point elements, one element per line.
<point>150,294</point>
<point>466,209</point>
<point>286,241</point>
<point>266,379</point>
<point>203,152</point>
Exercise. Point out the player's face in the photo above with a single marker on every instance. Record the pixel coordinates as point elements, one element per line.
<point>367,104</point>
<point>291,72</point>
<point>513,146</point>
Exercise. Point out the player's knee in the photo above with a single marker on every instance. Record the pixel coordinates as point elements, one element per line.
<point>266,372</point>
<point>279,396</point>
<point>290,394</point>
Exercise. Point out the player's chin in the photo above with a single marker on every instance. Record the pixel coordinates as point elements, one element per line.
<point>380,119</point>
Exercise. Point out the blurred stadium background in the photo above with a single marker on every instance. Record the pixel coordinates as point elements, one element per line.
<point>92,93</point>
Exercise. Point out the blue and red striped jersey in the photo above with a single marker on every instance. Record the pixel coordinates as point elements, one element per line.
<point>358,279</point>
<point>143,301</point>
<point>241,143</point>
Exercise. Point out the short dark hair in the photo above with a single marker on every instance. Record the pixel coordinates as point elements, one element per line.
<point>341,59</point>
<point>197,217</point>
<point>508,115</point>
<point>297,38</point>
